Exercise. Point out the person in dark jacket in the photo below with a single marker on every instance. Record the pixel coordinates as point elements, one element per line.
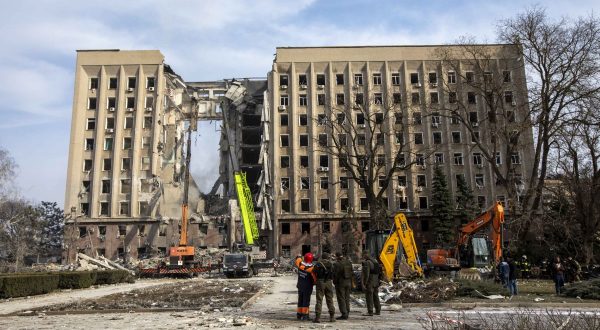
<point>306,279</point>
<point>343,284</point>
<point>324,271</point>
<point>558,274</point>
<point>512,277</point>
<point>370,283</point>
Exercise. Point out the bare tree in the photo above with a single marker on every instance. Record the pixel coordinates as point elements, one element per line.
<point>19,231</point>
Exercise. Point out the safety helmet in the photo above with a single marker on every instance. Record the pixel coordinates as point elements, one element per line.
<point>308,257</point>
<point>524,257</point>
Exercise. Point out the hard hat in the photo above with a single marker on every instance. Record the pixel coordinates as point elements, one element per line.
<point>524,257</point>
<point>308,257</point>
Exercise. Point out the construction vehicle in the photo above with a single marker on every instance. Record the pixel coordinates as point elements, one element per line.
<point>472,249</point>
<point>396,249</point>
<point>401,233</point>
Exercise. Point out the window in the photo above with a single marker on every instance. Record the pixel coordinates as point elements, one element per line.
<point>92,103</point>
<point>397,98</point>
<point>364,204</point>
<point>479,180</point>
<point>321,79</point>
<point>380,139</point>
<point>286,251</point>
<point>285,228</point>
<point>285,205</point>
<point>284,161</point>
<point>284,140</point>
<point>283,100</point>
<point>91,124</point>
<point>378,118</point>
<point>458,158</point>
<point>283,119</point>
<point>376,78</point>
<point>399,138</point>
<point>128,122</point>
<point>471,98</point>
<point>487,77</point>
<point>469,76</point>
<point>360,119</point>
<point>87,164</point>
<point>339,78</point>
<point>380,160</point>
<point>451,77</point>
<point>110,123</point>
<point>378,98</point>
<point>122,230</point>
<point>417,118</point>
<point>359,99</point>
<point>146,141</point>
<point>455,119</point>
<point>303,120</point>
<point>455,137</point>
<point>302,101</point>
<point>145,163</point>
<point>105,188</point>
<point>324,182</point>
<point>150,82</point>
<point>515,158</point>
<point>104,208</point>
<point>285,184</point>
<point>304,140</point>
<point>508,98</point>
<point>414,78</point>
<point>381,181</point>
<point>477,160</point>
<point>125,186</point>
<point>339,99</point>
<point>510,115</point>
<point>344,204</point>
<point>321,119</point>
<point>131,82</point>
<point>126,164</point>
<point>93,83</point>
<point>86,184</point>
<point>127,143</point>
<point>418,138</point>
<point>424,225</point>
<point>324,204</point>
<point>144,208</point>
<point>421,180</point>
<point>452,97</point>
<point>124,208</point>
<point>341,118</point>
<point>433,77</point>
<point>342,139</point>
<point>107,164</point>
<point>358,79</point>
<point>130,102</point>
<point>481,202</point>
<point>302,80</point>
<point>89,144</point>
<point>435,119</point>
<point>415,98</point>
<point>113,83</point>
<point>420,159</point>
<point>283,80</point>
<point>305,206</point>
<point>149,103</point>
<point>434,98</point>
<point>498,158</point>
<point>360,139</point>
<point>422,202</point>
<point>439,158</point>
<point>402,181</point>
<point>395,79</point>
<point>321,99</point>
<point>398,118</point>
<point>344,182</point>
<point>473,118</point>
<point>475,136</point>
<point>303,161</point>
<point>343,160</point>
<point>324,161</point>
<point>437,137</point>
<point>506,76</point>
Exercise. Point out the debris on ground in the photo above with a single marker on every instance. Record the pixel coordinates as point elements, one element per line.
<point>418,291</point>
<point>493,296</point>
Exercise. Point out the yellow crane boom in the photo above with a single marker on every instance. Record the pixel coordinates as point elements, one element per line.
<point>246,207</point>
<point>401,233</point>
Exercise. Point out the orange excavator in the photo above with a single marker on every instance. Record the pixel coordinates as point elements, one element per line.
<point>472,249</point>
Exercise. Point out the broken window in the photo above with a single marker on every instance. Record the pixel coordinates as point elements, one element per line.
<point>380,139</point>
<point>321,119</point>
<point>515,158</point>
<point>452,97</point>
<point>303,120</point>
<point>82,231</point>
<point>479,180</point>
<point>321,79</point>
<point>285,161</point>
<point>401,159</point>
<point>451,77</point>
<point>415,98</point>
<point>122,230</point>
<point>435,119</point>
<point>147,122</point>
<point>324,161</point>
<point>508,97</point>
<point>286,251</point>
<point>339,78</point>
<point>397,98</point>
<point>304,140</point>
<point>321,99</point>
<point>477,158</point>
<point>433,77</point>
<point>131,82</point>
<point>360,119</point>
<point>471,98</point>
<point>358,79</point>
<point>424,225</point>
<point>344,182</point>
<point>105,187</point>
<point>437,138</point>
<point>92,103</point>
<point>285,184</point>
<point>86,184</point>
<point>455,119</point>
<point>283,119</point>
<point>126,143</point>
<point>343,160</point>
<point>359,99</point>
<point>487,77</point>
<point>101,231</point>
<point>418,138</point>
<point>84,208</point>
<point>364,204</point>
<point>378,118</point>
<point>420,159</point>
<point>303,161</point>
<point>423,202</point>
<point>144,208</point>
<point>473,118</point>
<point>285,228</point>
<point>498,158</point>
<point>324,204</point>
<point>346,227</point>
<point>124,208</point>
<point>378,98</point>
<point>305,205</point>
<point>107,164</point>
<point>283,100</point>
<point>376,78</point>
<point>90,124</point>
<point>455,137</point>
<point>303,100</point>
<point>203,228</point>
<point>126,164</point>
<point>458,158</point>
<point>439,158</point>
<point>469,76</point>
<point>360,139</point>
<point>304,183</point>
<point>414,78</point>
<point>104,208</point>
<point>342,139</point>
<point>87,164</point>
<point>110,123</point>
<point>285,205</point>
<point>284,139</point>
<point>344,204</point>
<point>421,180</point>
<point>399,138</point>
<point>113,82</point>
<point>146,140</point>
<point>130,103</point>
<point>323,139</point>
<point>381,181</point>
<point>150,82</point>
<point>149,103</point>
<point>324,182</point>
<point>162,230</point>
<point>365,226</point>
<point>302,80</point>
<point>326,226</point>
<point>145,163</point>
<point>283,80</point>
<point>306,228</point>
<point>339,99</point>
<point>506,76</point>
<point>111,104</point>
<point>125,186</point>
<point>395,79</point>
<point>129,122</point>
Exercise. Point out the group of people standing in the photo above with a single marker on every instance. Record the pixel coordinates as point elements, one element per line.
<point>328,275</point>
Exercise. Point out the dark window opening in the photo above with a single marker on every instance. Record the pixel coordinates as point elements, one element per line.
<point>285,228</point>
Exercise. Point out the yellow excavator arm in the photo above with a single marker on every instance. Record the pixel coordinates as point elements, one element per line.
<point>246,207</point>
<point>401,233</point>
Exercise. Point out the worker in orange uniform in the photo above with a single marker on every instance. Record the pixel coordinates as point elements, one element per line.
<point>306,280</point>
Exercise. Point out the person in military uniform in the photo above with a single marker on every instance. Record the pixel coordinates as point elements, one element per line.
<point>572,270</point>
<point>343,284</point>
<point>306,279</point>
<point>370,283</point>
<point>325,273</point>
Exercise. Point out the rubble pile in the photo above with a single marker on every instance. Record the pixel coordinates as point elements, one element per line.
<point>418,291</point>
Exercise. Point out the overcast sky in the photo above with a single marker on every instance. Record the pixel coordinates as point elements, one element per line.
<point>201,40</point>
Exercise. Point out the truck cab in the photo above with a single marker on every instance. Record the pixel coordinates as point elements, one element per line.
<point>238,265</point>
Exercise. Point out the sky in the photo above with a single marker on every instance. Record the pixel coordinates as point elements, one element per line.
<point>201,40</point>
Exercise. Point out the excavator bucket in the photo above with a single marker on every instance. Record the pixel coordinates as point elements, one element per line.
<point>469,274</point>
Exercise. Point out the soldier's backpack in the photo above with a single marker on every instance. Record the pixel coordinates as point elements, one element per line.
<point>322,271</point>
